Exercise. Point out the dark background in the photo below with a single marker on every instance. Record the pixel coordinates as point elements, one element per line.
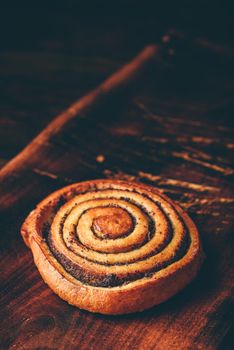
<point>53,52</point>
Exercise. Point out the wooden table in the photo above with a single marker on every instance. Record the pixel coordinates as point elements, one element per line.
<point>174,132</point>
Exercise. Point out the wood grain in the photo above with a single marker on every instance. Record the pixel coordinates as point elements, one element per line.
<point>112,87</point>
<point>174,133</point>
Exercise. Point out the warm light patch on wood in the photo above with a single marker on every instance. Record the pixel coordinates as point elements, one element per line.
<point>100,158</point>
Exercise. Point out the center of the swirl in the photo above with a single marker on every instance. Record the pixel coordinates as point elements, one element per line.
<point>115,222</point>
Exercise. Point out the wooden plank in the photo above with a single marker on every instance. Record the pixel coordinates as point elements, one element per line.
<point>172,143</point>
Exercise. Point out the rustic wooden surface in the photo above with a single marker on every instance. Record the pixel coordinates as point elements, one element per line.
<point>175,132</point>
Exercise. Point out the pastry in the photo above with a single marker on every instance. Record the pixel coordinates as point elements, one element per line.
<point>113,247</point>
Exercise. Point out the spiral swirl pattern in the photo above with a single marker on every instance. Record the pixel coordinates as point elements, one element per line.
<point>108,234</point>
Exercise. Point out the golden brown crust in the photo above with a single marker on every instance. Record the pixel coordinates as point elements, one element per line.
<point>113,247</point>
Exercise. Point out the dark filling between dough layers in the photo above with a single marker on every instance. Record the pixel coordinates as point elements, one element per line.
<point>113,280</point>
